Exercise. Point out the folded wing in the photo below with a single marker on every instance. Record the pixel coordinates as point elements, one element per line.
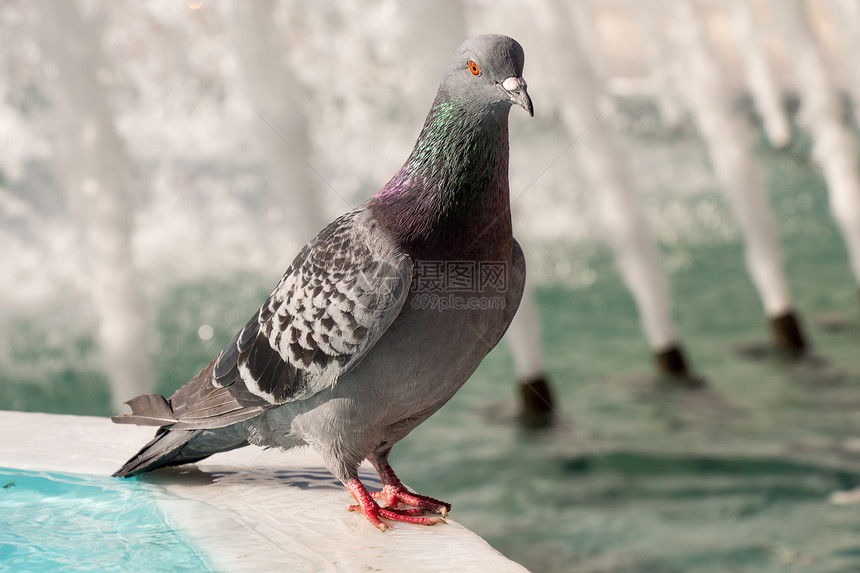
<point>341,293</point>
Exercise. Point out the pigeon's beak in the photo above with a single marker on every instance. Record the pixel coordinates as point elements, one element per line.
<point>516,90</point>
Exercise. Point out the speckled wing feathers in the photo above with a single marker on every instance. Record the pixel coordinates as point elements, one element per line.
<point>340,294</point>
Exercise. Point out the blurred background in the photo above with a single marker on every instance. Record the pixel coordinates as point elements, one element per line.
<point>680,391</point>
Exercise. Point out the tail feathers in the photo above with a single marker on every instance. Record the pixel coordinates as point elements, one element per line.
<point>195,407</point>
<point>148,410</point>
<point>163,450</point>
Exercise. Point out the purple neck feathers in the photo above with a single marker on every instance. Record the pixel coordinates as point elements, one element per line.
<point>451,197</point>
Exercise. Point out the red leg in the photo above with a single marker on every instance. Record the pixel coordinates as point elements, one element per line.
<point>394,492</point>
<point>373,512</point>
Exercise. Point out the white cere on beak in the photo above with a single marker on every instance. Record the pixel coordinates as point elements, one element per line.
<point>511,83</point>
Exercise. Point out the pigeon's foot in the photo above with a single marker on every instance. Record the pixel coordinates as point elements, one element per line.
<point>392,495</point>
<point>394,492</point>
<point>374,513</point>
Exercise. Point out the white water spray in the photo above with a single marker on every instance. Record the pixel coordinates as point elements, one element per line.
<point>280,124</point>
<point>834,149</point>
<point>846,15</point>
<point>98,176</point>
<point>524,340</point>
<point>605,168</point>
<point>728,142</point>
<point>759,73</point>
<point>664,66</point>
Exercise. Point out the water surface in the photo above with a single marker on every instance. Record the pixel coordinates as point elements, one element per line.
<point>53,522</point>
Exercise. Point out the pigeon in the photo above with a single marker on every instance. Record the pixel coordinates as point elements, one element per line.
<point>382,316</point>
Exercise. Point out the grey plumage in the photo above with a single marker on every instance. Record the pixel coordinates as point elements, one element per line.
<point>349,353</point>
<point>341,293</point>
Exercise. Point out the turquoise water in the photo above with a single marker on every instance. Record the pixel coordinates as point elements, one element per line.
<point>51,522</point>
<point>636,476</point>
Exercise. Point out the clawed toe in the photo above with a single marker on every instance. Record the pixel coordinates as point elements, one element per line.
<point>392,497</point>
<point>405,511</point>
<point>406,517</point>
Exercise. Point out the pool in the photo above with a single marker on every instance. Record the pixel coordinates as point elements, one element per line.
<point>245,510</point>
<point>73,522</point>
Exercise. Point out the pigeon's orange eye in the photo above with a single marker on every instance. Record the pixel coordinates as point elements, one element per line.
<point>473,67</point>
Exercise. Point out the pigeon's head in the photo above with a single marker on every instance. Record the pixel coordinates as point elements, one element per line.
<point>488,70</point>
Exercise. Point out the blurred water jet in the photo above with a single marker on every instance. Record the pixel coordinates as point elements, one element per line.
<point>759,73</point>
<point>98,177</point>
<point>834,146</point>
<point>624,225</point>
<point>729,145</point>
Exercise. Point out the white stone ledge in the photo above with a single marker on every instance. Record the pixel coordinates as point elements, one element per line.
<point>250,509</point>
